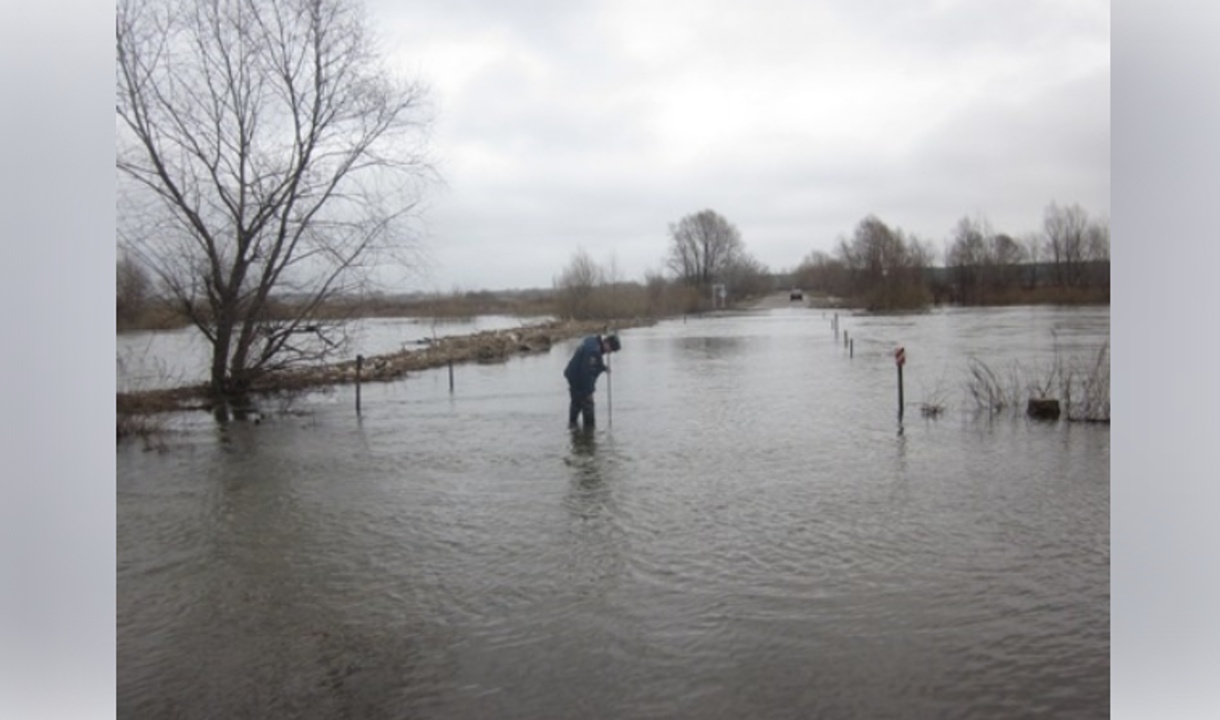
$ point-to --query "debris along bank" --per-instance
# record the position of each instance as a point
(489, 346)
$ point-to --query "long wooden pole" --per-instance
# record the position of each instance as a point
(609, 392)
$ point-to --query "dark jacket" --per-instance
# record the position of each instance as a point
(584, 367)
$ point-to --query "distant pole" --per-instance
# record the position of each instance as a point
(851, 352)
(359, 364)
(900, 359)
(450, 376)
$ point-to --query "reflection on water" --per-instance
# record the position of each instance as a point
(751, 537)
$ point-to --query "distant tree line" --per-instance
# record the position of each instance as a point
(878, 267)
(881, 268)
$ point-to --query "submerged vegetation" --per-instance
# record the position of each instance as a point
(1080, 386)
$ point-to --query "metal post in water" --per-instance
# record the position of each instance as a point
(359, 364)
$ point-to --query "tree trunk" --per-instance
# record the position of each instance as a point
(220, 357)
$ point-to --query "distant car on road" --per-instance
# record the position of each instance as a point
(795, 295)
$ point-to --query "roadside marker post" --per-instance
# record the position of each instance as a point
(900, 359)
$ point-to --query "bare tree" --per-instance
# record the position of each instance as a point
(702, 247)
(882, 267)
(1097, 241)
(1007, 255)
(984, 264)
(872, 253)
(820, 272)
(273, 163)
(1066, 229)
(1033, 246)
(577, 284)
(969, 258)
(1097, 253)
(747, 276)
(920, 256)
(132, 288)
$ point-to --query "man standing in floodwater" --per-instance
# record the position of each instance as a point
(582, 371)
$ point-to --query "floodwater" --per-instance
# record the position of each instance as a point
(747, 533)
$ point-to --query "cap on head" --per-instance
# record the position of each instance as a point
(612, 342)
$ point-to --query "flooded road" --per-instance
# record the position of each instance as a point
(747, 535)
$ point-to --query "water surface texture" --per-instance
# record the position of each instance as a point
(747, 535)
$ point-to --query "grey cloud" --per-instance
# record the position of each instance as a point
(574, 160)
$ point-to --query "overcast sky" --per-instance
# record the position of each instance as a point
(595, 124)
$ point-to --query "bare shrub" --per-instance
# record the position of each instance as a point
(988, 389)
(1083, 386)
(934, 400)
(586, 290)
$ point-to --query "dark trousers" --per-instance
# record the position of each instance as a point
(581, 405)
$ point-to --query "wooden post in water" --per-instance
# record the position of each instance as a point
(900, 359)
(900, 403)
(359, 364)
(851, 352)
(450, 376)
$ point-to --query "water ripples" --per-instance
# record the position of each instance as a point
(749, 537)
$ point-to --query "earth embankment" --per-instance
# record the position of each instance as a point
(489, 346)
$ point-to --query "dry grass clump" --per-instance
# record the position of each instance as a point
(935, 400)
